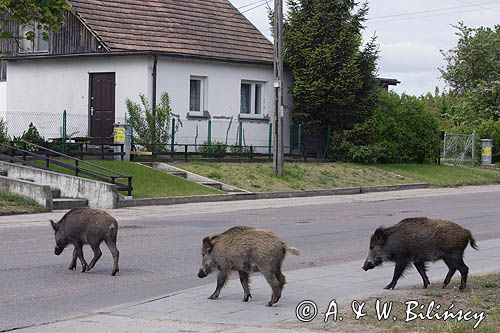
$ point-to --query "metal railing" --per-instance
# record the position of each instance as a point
(18, 155)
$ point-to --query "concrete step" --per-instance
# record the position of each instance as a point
(65, 203)
(56, 193)
(178, 173)
(215, 185)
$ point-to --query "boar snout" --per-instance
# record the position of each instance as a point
(202, 274)
(58, 250)
(368, 265)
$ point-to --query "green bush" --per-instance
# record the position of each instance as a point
(149, 131)
(236, 149)
(31, 135)
(217, 147)
(401, 130)
(4, 138)
(491, 130)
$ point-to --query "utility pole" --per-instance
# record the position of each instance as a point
(278, 87)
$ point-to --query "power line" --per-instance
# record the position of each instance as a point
(250, 4)
(427, 11)
(425, 16)
(477, 5)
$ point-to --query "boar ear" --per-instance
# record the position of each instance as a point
(207, 243)
(379, 236)
(54, 225)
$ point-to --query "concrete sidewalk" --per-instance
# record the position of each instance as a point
(191, 311)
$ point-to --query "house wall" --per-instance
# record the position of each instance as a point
(3, 98)
(39, 90)
(222, 101)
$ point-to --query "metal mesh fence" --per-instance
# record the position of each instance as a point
(194, 133)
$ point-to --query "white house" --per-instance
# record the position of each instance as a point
(211, 60)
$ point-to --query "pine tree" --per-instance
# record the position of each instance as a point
(334, 76)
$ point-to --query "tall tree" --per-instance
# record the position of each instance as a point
(334, 76)
(44, 15)
(475, 60)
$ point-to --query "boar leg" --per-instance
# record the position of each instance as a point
(221, 281)
(275, 286)
(97, 255)
(451, 271)
(246, 287)
(79, 252)
(398, 271)
(281, 279)
(72, 265)
(115, 253)
(420, 266)
(464, 271)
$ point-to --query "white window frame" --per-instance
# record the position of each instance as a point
(253, 112)
(34, 44)
(203, 95)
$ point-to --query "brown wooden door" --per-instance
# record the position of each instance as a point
(102, 107)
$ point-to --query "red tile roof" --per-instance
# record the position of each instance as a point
(199, 28)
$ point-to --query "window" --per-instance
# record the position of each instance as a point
(197, 95)
(251, 98)
(246, 98)
(32, 46)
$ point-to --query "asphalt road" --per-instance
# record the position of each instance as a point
(161, 255)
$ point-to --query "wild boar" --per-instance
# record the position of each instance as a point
(245, 250)
(82, 226)
(421, 240)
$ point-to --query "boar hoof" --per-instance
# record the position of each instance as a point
(114, 272)
(71, 267)
(389, 287)
(270, 303)
(213, 297)
(84, 268)
(246, 298)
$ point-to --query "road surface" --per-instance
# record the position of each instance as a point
(160, 253)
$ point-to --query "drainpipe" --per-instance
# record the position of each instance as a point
(155, 70)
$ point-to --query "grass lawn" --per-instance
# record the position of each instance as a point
(150, 183)
(482, 295)
(444, 175)
(11, 204)
(259, 177)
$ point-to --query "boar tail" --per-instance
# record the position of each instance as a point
(473, 243)
(293, 250)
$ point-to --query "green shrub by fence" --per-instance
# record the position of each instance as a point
(401, 130)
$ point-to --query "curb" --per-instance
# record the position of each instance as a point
(267, 195)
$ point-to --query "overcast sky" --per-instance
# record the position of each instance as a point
(410, 33)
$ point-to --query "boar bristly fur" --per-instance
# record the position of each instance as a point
(418, 241)
(245, 250)
(81, 226)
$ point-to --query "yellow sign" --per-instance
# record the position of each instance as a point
(119, 135)
(487, 151)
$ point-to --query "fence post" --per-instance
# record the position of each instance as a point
(328, 141)
(131, 121)
(240, 138)
(63, 144)
(473, 148)
(172, 139)
(270, 138)
(209, 139)
(299, 144)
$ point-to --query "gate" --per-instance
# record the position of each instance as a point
(459, 149)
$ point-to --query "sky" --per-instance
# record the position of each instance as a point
(411, 34)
